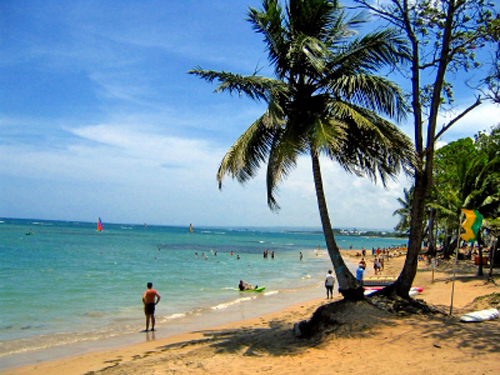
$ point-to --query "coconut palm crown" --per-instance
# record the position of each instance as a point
(323, 100)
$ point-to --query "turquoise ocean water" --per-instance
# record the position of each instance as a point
(66, 288)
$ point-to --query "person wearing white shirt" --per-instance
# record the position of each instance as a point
(329, 283)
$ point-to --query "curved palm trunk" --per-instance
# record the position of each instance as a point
(404, 282)
(348, 285)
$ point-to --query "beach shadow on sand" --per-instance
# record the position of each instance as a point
(278, 337)
(482, 336)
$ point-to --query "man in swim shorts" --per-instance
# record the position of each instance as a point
(150, 299)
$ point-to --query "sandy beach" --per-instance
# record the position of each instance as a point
(375, 344)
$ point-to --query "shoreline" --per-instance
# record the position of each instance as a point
(244, 307)
(149, 353)
(241, 308)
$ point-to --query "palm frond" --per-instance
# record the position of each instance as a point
(329, 134)
(372, 92)
(312, 52)
(323, 98)
(251, 149)
(282, 160)
(314, 18)
(268, 22)
(371, 52)
(255, 87)
(373, 146)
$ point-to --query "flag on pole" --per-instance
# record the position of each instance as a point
(472, 223)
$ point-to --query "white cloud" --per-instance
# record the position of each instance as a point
(134, 174)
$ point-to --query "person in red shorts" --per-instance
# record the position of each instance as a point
(150, 299)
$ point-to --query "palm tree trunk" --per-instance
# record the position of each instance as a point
(403, 284)
(348, 285)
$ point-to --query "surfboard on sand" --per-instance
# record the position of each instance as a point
(411, 293)
(480, 316)
(413, 288)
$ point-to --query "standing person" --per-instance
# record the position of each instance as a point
(376, 266)
(301, 255)
(362, 263)
(329, 283)
(359, 274)
(150, 299)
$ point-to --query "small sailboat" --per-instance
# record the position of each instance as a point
(99, 225)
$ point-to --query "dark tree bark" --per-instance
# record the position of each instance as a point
(348, 285)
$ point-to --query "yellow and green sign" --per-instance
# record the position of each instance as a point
(472, 223)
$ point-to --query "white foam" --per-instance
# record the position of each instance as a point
(223, 306)
(175, 316)
(272, 293)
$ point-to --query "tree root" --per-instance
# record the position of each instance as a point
(348, 318)
(402, 306)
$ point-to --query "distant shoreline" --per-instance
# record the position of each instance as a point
(364, 232)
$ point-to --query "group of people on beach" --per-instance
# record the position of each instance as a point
(330, 280)
(378, 261)
(151, 297)
(378, 265)
(265, 254)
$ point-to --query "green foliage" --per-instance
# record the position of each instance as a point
(443, 32)
(467, 175)
(445, 37)
(404, 212)
(324, 98)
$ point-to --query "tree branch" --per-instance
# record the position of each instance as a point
(381, 12)
(456, 119)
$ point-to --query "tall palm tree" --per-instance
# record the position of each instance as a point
(323, 100)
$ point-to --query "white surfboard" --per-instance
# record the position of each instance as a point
(413, 291)
(480, 316)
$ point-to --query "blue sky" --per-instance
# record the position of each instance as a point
(98, 117)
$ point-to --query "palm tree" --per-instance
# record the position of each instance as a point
(323, 101)
(404, 211)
